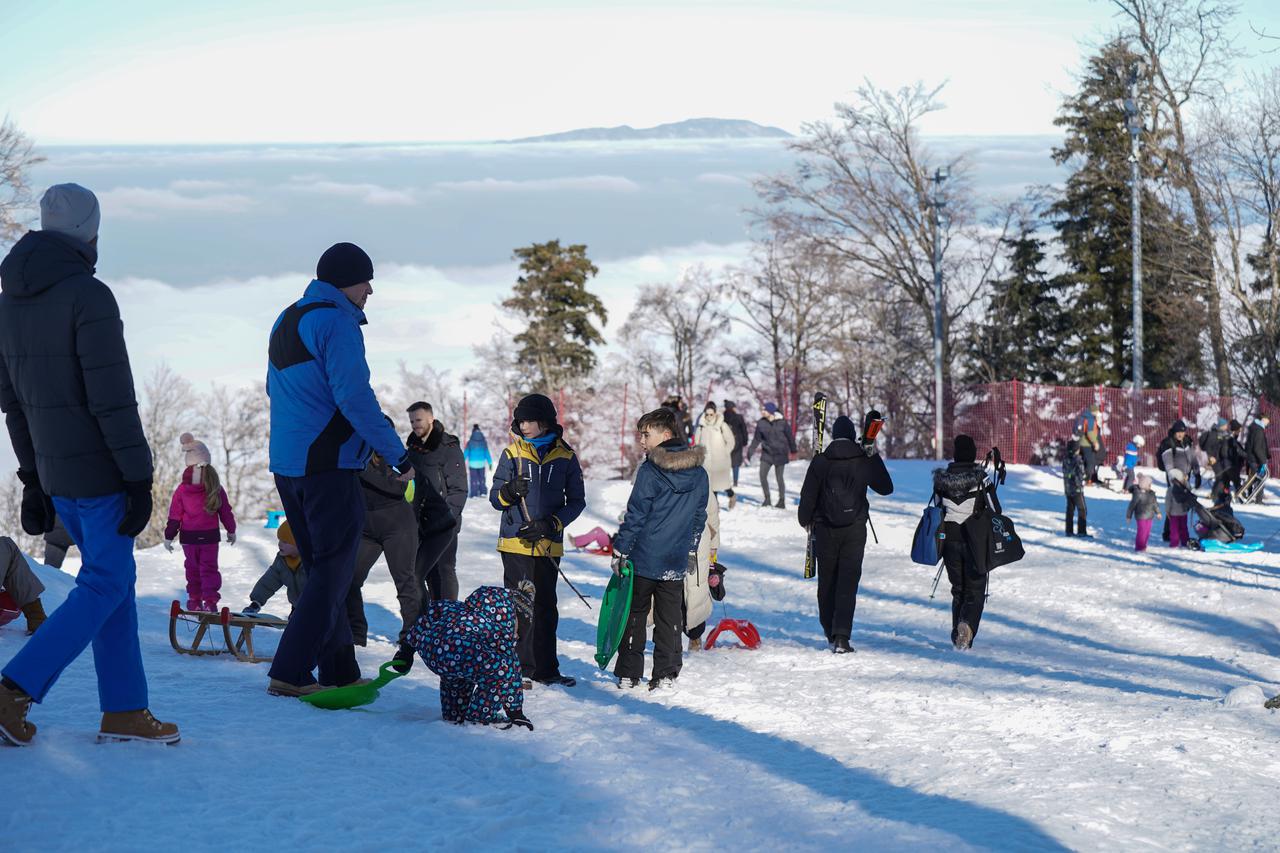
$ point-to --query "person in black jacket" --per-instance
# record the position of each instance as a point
(1233, 457)
(776, 444)
(961, 490)
(67, 393)
(437, 458)
(738, 425)
(1075, 474)
(390, 530)
(1256, 452)
(833, 501)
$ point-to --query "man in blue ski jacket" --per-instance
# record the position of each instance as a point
(325, 422)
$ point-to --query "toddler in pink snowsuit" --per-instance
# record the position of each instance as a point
(197, 507)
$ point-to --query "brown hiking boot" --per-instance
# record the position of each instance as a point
(695, 644)
(284, 688)
(733, 501)
(14, 728)
(136, 725)
(35, 616)
(964, 636)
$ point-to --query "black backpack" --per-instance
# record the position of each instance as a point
(840, 500)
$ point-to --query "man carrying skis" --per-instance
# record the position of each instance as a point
(1256, 453)
(833, 501)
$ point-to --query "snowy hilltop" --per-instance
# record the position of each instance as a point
(693, 128)
(1095, 711)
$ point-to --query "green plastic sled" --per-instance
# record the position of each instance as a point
(353, 695)
(614, 610)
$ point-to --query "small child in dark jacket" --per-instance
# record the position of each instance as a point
(285, 571)
(1074, 475)
(665, 518)
(1144, 507)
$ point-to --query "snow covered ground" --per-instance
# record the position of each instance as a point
(1090, 714)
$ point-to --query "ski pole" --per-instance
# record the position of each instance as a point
(873, 528)
(937, 578)
(524, 512)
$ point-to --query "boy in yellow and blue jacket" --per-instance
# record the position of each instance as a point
(538, 487)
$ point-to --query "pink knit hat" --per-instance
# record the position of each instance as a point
(195, 452)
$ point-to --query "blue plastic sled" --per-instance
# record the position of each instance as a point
(1214, 546)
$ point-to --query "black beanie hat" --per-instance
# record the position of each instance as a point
(535, 407)
(728, 404)
(344, 265)
(1178, 426)
(843, 428)
(965, 450)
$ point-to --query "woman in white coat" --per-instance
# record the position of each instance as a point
(717, 438)
(697, 587)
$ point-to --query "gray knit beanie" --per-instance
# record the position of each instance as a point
(70, 209)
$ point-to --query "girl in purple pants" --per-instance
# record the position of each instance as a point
(198, 505)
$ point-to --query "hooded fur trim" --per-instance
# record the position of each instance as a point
(678, 460)
(957, 481)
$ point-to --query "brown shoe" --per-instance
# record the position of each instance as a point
(118, 726)
(695, 644)
(964, 636)
(35, 616)
(14, 728)
(284, 688)
(733, 501)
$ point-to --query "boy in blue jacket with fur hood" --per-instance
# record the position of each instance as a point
(538, 487)
(665, 517)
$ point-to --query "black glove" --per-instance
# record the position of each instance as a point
(1198, 478)
(37, 508)
(403, 660)
(513, 490)
(517, 718)
(403, 465)
(539, 528)
(137, 508)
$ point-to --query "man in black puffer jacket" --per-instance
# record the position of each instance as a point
(437, 458)
(833, 500)
(67, 392)
(775, 442)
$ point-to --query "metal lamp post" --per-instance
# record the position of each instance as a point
(1133, 121)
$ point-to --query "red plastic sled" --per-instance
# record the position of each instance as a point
(741, 628)
(9, 609)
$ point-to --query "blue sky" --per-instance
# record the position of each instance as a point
(323, 71)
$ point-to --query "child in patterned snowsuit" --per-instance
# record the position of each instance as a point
(471, 645)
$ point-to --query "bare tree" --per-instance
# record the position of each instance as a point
(168, 409)
(1240, 157)
(17, 156)
(236, 425)
(861, 188)
(678, 325)
(1187, 48)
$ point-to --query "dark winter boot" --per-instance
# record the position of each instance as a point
(628, 683)
(840, 646)
(559, 680)
(14, 728)
(35, 615)
(136, 725)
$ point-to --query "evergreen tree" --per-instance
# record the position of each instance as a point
(551, 295)
(1020, 336)
(1092, 220)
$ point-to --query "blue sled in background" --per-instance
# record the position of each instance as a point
(1214, 546)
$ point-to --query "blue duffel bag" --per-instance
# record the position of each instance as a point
(925, 544)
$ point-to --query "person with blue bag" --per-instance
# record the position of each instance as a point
(963, 490)
(833, 501)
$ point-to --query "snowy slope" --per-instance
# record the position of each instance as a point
(1089, 715)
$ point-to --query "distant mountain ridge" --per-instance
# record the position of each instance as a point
(694, 128)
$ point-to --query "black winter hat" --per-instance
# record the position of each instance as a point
(843, 428)
(1178, 426)
(535, 407)
(965, 449)
(344, 265)
(728, 404)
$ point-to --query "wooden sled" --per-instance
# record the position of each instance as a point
(211, 626)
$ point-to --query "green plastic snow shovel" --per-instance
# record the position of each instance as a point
(353, 695)
(615, 608)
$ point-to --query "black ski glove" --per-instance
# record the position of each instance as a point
(37, 513)
(518, 719)
(403, 660)
(513, 490)
(137, 508)
(539, 528)
(1198, 481)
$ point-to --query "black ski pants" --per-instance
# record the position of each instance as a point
(764, 481)
(838, 552)
(968, 585)
(1076, 507)
(666, 599)
(442, 578)
(433, 543)
(394, 534)
(537, 642)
